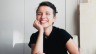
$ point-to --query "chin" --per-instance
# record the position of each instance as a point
(45, 26)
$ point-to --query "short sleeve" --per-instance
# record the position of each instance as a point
(65, 35)
(33, 39)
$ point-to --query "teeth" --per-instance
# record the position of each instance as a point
(43, 21)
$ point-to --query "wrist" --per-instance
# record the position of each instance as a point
(41, 30)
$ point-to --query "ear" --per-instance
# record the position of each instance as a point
(54, 19)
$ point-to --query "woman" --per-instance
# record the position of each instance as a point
(50, 39)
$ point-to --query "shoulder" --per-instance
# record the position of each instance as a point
(34, 35)
(60, 30)
(62, 34)
(33, 38)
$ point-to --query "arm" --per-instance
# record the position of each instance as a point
(32, 48)
(71, 46)
(39, 43)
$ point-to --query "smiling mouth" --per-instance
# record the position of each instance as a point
(43, 22)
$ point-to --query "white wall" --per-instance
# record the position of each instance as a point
(17, 17)
(72, 16)
(11, 26)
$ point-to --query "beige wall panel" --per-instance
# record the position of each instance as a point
(90, 0)
(88, 28)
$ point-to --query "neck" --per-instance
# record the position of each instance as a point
(48, 30)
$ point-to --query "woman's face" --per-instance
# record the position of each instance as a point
(45, 16)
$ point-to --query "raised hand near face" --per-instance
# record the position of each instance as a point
(37, 25)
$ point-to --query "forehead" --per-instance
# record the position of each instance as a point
(45, 9)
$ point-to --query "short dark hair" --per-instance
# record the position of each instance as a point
(47, 3)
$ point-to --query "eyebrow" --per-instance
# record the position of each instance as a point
(46, 11)
(38, 12)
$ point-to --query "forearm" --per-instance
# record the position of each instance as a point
(39, 43)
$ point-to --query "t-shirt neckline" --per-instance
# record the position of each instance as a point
(50, 33)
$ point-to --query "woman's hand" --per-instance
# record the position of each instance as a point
(37, 25)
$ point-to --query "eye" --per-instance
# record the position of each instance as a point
(38, 13)
(47, 13)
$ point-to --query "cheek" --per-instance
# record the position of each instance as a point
(51, 19)
(38, 17)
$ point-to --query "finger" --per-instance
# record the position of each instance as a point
(33, 25)
(38, 22)
(35, 21)
(38, 53)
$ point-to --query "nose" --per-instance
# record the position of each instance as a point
(43, 16)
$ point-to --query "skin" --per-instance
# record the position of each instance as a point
(43, 24)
